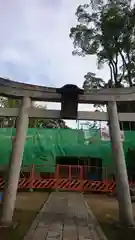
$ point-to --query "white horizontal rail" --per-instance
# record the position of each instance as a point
(55, 114)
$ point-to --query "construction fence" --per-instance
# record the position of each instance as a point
(67, 177)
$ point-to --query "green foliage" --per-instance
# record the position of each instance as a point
(107, 29)
(92, 82)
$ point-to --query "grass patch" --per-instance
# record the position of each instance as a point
(105, 210)
(28, 205)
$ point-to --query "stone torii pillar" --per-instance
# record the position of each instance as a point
(122, 186)
(15, 163)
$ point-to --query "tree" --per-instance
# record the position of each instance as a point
(92, 82)
(55, 123)
(11, 103)
(108, 32)
(104, 33)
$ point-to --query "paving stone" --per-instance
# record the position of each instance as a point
(84, 231)
(54, 234)
(81, 237)
(65, 217)
(40, 234)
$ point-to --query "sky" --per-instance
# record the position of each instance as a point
(35, 46)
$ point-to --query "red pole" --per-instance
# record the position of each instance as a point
(32, 176)
(106, 178)
(57, 176)
(81, 176)
(106, 175)
(70, 175)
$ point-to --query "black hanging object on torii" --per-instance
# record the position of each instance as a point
(69, 100)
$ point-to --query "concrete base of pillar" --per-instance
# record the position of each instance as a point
(9, 225)
(118, 224)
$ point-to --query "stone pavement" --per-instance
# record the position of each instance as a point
(64, 217)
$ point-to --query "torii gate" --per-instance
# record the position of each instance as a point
(69, 96)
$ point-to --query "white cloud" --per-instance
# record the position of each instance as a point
(35, 46)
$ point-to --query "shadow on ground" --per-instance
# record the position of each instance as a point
(27, 207)
(105, 210)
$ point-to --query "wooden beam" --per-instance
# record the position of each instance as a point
(18, 90)
(55, 114)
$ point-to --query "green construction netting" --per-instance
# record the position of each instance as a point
(44, 145)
